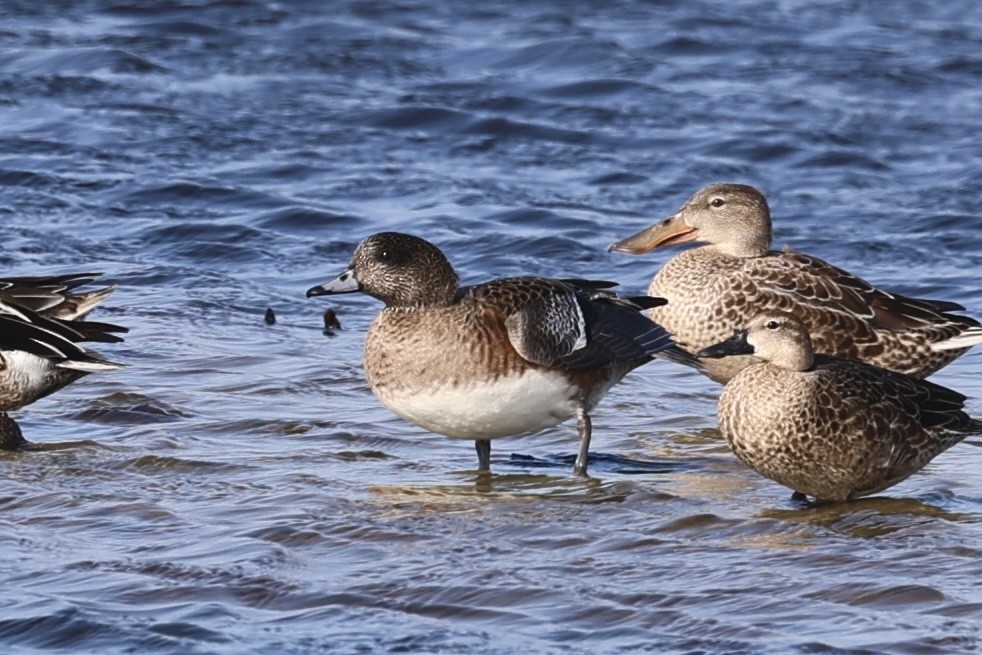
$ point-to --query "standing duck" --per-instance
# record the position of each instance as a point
(717, 288)
(506, 357)
(825, 426)
(41, 328)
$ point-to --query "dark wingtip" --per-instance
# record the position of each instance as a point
(588, 285)
(96, 331)
(647, 302)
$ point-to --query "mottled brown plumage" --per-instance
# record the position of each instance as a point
(506, 357)
(54, 296)
(830, 427)
(715, 289)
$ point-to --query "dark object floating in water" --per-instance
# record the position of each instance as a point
(270, 316)
(331, 322)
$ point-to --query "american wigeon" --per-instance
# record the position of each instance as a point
(506, 357)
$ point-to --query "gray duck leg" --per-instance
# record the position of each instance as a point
(585, 427)
(483, 447)
(10, 435)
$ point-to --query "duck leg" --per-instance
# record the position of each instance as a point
(10, 435)
(585, 427)
(483, 447)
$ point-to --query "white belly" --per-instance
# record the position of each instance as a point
(23, 378)
(513, 405)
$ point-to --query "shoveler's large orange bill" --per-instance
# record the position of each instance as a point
(668, 232)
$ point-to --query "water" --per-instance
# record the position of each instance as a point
(237, 489)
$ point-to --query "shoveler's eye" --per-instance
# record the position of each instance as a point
(772, 325)
(717, 202)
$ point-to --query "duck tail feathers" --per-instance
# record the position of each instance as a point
(970, 337)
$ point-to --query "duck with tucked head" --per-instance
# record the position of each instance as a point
(718, 287)
(825, 426)
(506, 357)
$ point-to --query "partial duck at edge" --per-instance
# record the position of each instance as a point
(42, 329)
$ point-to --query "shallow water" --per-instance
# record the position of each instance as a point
(237, 489)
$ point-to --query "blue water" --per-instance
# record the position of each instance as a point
(237, 489)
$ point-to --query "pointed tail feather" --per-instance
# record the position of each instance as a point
(78, 305)
(91, 364)
(96, 331)
(53, 282)
(24, 330)
(52, 295)
(970, 337)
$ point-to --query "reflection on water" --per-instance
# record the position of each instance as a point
(237, 488)
(871, 517)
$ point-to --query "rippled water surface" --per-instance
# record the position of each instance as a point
(237, 489)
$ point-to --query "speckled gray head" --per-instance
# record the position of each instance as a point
(401, 270)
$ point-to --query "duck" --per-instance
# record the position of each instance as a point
(716, 288)
(827, 427)
(43, 328)
(506, 357)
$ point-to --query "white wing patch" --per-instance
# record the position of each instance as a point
(581, 340)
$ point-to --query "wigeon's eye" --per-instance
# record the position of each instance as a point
(385, 255)
(772, 325)
(717, 202)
